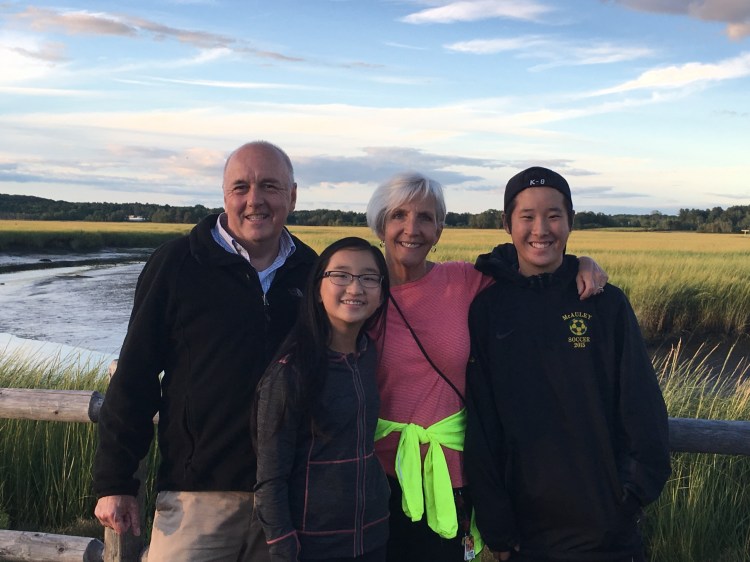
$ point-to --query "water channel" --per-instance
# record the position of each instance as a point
(83, 307)
(59, 310)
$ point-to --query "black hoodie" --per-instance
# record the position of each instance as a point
(201, 318)
(567, 433)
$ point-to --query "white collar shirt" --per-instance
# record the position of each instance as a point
(226, 241)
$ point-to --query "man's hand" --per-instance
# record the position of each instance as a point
(119, 513)
(591, 278)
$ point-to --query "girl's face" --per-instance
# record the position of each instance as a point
(349, 302)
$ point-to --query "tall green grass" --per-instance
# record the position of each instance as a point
(46, 466)
(703, 515)
(677, 282)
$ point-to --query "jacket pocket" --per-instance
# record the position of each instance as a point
(330, 498)
(190, 439)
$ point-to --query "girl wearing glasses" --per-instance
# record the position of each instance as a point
(321, 493)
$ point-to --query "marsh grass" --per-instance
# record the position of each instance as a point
(703, 514)
(677, 282)
(73, 236)
(46, 466)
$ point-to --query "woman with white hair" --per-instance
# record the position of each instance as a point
(422, 372)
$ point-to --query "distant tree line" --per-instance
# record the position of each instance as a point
(24, 207)
(732, 219)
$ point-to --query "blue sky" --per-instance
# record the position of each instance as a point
(642, 104)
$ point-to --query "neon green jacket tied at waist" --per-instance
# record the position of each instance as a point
(434, 479)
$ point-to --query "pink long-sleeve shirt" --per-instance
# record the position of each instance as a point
(437, 307)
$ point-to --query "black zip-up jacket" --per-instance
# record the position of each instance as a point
(322, 494)
(567, 434)
(200, 317)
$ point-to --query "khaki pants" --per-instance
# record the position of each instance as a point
(206, 527)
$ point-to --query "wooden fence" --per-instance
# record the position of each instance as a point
(685, 435)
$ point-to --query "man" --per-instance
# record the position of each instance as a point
(210, 310)
(567, 435)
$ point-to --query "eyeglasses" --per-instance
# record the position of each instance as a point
(342, 279)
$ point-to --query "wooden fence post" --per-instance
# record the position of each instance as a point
(127, 547)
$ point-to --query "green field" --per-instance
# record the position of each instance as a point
(677, 282)
(71, 236)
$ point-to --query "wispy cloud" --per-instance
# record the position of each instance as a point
(176, 173)
(736, 13)
(737, 31)
(83, 22)
(235, 85)
(475, 10)
(404, 46)
(402, 80)
(377, 163)
(605, 192)
(46, 92)
(556, 53)
(23, 58)
(732, 196)
(47, 52)
(685, 75)
(730, 113)
(494, 46)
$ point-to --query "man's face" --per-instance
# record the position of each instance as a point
(258, 196)
(539, 230)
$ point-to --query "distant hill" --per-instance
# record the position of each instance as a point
(26, 207)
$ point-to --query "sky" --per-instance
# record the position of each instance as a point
(643, 105)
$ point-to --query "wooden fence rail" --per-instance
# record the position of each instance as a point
(50, 405)
(43, 547)
(686, 435)
(69, 406)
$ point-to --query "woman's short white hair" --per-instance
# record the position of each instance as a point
(400, 189)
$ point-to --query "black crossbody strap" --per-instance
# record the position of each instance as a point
(422, 349)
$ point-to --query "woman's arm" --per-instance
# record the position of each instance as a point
(591, 278)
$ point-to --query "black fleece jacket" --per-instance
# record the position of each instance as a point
(322, 494)
(201, 318)
(567, 433)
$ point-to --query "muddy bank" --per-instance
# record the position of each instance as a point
(15, 262)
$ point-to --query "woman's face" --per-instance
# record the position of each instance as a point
(410, 232)
(348, 302)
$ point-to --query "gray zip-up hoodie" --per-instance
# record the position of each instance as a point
(323, 493)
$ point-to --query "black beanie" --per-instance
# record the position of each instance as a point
(535, 177)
